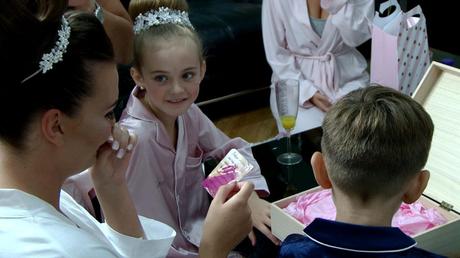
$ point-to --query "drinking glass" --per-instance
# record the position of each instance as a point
(287, 102)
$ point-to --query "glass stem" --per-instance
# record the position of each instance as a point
(288, 141)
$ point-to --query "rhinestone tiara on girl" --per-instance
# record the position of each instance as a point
(163, 15)
(56, 53)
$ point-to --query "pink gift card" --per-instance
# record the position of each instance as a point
(212, 184)
(233, 167)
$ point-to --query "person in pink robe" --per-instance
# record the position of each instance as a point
(314, 41)
(165, 180)
(174, 136)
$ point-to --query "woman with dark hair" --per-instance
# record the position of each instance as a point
(59, 88)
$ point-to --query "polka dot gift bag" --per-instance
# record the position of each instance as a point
(400, 55)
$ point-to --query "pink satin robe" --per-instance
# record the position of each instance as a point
(329, 64)
(165, 182)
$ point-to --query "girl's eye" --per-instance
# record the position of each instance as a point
(160, 78)
(188, 76)
(110, 115)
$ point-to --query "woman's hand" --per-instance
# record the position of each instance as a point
(113, 159)
(321, 102)
(260, 214)
(110, 183)
(228, 221)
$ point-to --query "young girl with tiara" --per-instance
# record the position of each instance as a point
(165, 173)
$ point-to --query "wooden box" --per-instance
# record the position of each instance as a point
(439, 93)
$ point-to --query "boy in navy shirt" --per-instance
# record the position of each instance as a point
(374, 147)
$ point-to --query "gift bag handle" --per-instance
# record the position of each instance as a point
(416, 11)
(383, 21)
(385, 5)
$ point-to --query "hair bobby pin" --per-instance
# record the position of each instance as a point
(163, 15)
(55, 55)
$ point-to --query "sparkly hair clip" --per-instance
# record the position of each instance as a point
(163, 15)
(55, 55)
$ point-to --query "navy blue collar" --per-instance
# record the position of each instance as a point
(358, 238)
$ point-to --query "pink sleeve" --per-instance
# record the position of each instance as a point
(333, 6)
(306, 92)
(215, 144)
(353, 19)
(278, 56)
(80, 187)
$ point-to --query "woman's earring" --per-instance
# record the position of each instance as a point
(142, 88)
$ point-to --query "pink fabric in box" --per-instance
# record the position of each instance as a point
(410, 218)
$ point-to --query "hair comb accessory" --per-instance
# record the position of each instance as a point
(56, 53)
(163, 15)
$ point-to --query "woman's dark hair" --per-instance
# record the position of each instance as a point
(28, 29)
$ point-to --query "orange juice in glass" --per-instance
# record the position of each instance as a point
(287, 99)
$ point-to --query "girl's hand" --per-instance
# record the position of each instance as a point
(113, 159)
(321, 101)
(260, 214)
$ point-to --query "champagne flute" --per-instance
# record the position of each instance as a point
(287, 102)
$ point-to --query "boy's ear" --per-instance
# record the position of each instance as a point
(202, 70)
(416, 187)
(51, 126)
(137, 77)
(319, 170)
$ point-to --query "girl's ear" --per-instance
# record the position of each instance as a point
(137, 77)
(202, 70)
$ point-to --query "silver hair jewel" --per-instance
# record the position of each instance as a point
(55, 55)
(163, 15)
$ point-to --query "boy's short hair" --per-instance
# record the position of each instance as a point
(374, 140)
